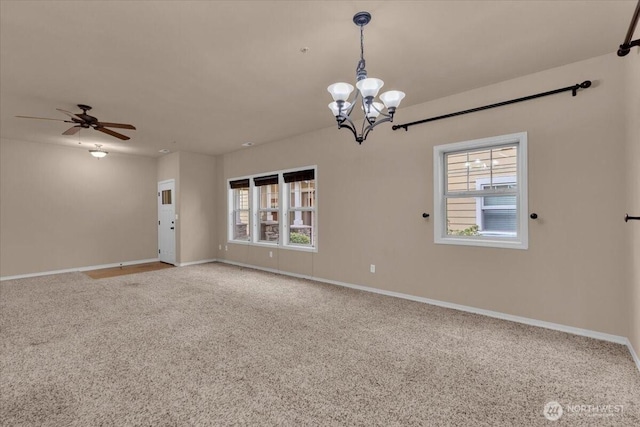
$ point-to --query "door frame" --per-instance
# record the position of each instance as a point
(174, 203)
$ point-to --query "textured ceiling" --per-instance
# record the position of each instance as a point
(208, 76)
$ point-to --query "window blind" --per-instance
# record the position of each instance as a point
(265, 180)
(239, 183)
(305, 175)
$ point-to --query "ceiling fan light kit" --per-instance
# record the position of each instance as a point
(367, 90)
(98, 153)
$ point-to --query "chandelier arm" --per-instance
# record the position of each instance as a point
(366, 118)
(367, 131)
(353, 102)
(349, 126)
(385, 120)
(364, 129)
(347, 118)
(371, 126)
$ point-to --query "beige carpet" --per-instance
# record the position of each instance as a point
(220, 345)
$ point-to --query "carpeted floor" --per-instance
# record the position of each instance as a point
(220, 345)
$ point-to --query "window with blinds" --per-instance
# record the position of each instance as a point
(240, 209)
(268, 194)
(301, 211)
(480, 192)
(278, 208)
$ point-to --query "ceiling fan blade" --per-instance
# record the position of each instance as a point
(116, 125)
(43, 118)
(70, 114)
(112, 133)
(72, 130)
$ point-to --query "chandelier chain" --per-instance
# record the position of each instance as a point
(361, 64)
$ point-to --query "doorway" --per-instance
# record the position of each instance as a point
(167, 221)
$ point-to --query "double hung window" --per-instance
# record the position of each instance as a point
(240, 225)
(480, 192)
(268, 195)
(301, 192)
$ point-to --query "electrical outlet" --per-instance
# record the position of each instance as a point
(226, 248)
(219, 247)
(270, 254)
(372, 268)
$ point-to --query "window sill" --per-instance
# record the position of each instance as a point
(483, 242)
(274, 244)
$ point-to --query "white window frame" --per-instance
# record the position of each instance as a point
(231, 218)
(258, 211)
(521, 240)
(291, 211)
(283, 212)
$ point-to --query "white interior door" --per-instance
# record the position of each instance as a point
(167, 221)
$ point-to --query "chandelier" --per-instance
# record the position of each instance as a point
(368, 89)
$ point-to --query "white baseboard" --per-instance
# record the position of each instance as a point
(634, 355)
(73, 270)
(202, 261)
(489, 313)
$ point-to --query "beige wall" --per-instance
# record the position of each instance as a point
(63, 209)
(632, 62)
(196, 179)
(371, 197)
(197, 208)
(60, 208)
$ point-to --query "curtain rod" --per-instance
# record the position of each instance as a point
(625, 47)
(573, 89)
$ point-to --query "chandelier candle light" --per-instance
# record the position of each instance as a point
(368, 89)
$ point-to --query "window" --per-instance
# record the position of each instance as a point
(166, 197)
(239, 193)
(301, 191)
(268, 208)
(480, 192)
(278, 208)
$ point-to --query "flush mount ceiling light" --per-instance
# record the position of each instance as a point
(98, 152)
(367, 90)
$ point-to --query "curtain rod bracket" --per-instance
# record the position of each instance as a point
(627, 44)
(626, 47)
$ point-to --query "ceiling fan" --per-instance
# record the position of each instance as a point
(85, 121)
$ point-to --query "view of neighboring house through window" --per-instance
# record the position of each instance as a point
(278, 208)
(497, 215)
(240, 218)
(480, 192)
